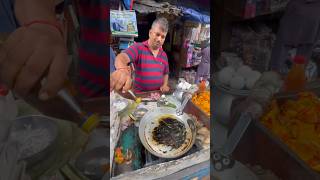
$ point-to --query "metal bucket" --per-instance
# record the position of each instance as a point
(223, 99)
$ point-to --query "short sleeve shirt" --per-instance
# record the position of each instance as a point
(149, 70)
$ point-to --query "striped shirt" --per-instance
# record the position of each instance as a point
(149, 70)
(93, 49)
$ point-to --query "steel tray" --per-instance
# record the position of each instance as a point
(259, 146)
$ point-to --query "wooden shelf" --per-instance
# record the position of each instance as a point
(263, 16)
(193, 66)
(231, 13)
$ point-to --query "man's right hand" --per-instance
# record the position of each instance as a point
(120, 80)
(28, 54)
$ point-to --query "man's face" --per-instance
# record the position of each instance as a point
(157, 36)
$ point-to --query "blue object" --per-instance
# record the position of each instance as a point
(7, 18)
(112, 60)
(132, 149)
(193, 15)
(199, 175)
(127, 4)
(124, 45)
(116, 26)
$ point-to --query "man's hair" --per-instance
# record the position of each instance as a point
(163, 22)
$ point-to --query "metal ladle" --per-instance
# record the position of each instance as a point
(132, 94)
(185, 98)
(238, 131)
(68, 98)
(137, 99)
(65, 95)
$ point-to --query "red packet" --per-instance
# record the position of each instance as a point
(3, 90)
(250, 9)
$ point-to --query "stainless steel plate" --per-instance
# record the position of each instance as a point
(151, 120)
(124, 102)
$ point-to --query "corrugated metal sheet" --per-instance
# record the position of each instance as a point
(150, 6)
(198, 5)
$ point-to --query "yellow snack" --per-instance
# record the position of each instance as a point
(202, 100)
(297, 124)
(119, 157)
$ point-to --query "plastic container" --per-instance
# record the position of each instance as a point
(202, 85)
(296, 80)
(8, 107)
(8, 111)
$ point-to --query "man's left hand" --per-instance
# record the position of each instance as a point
(164, 88)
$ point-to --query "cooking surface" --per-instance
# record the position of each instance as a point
(149, 160)
(151, 120)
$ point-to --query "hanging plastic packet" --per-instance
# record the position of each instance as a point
(311, 71)
(8, 111)
(9, 150)
(8, 107)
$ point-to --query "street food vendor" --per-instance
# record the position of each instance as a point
(149, 60)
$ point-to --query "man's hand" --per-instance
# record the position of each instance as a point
(120, 80)
(164, 88)
(29, 54)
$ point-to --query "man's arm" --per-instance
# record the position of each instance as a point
(165, 80)
(122, 61)
(165, 87)
(120, 79)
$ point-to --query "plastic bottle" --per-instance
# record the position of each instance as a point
(296, 79)
(89, 121)
(202, 85)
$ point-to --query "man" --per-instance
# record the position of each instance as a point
(204, 66)
(298, 32)
(36, 48)
(150, 63)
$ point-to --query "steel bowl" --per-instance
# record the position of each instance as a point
(224, 96)
(35, 122)
(138, 114)
(151, 120)
(94, 163)
(126, 102)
